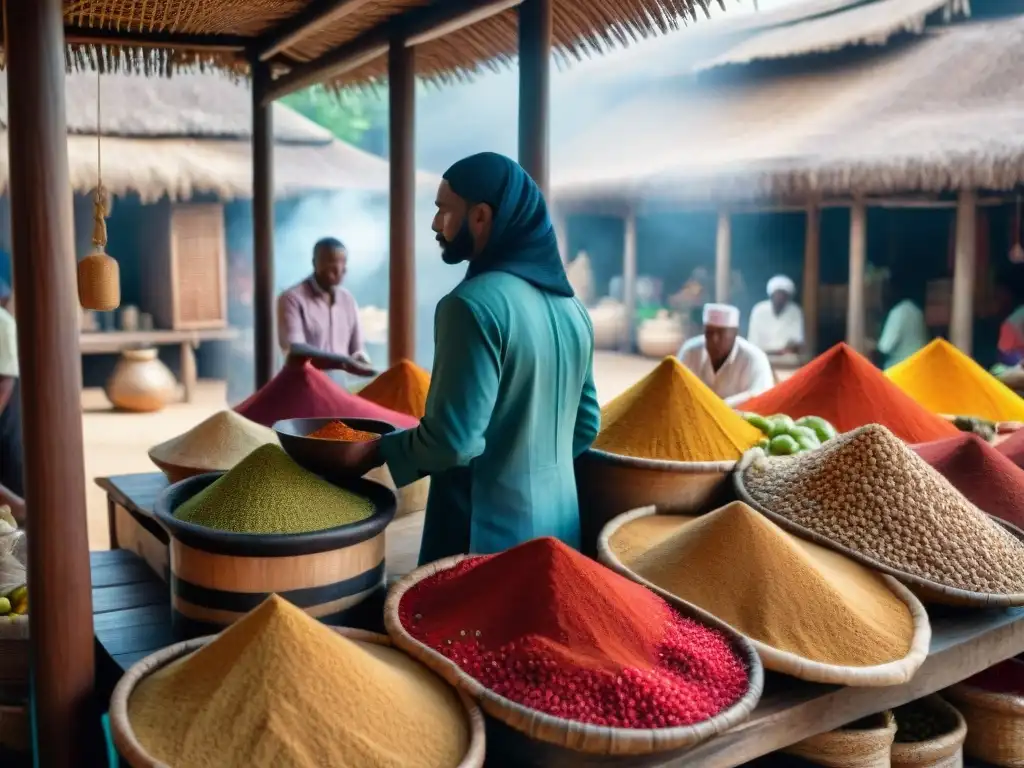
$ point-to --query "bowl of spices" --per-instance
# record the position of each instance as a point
(669, 441)
(929, 733)
(810, 612)
(328, 446)
(278, 688)
(589, 662)
(869, 496)
(269, 526)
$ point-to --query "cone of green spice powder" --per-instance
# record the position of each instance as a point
(267, 492)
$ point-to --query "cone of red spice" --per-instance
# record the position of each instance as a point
(985, 476)
(844, 388)
(551, 630)
(304, 392)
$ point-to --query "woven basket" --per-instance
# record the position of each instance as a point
(944, 751)
(412, 498)
(134, 753)
(99, 282)
(850, 747)
(574, 736)
(995, 724)
(609, 485)
(929, 591)
(892, 673)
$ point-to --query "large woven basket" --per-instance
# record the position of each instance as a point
(929, 591)
(893, 673)
(995, 724)
(867, 747)
(944, 751)
(574, 736)
(135, 754)
(609, 484)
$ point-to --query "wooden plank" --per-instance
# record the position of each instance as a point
(145, 638)
(137, 492)
(158, 613)
(135, 536)
(117, 574)
(100, 557)
(110, 342)
(119, 598)
(125, 660)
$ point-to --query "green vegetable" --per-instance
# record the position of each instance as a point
(764, 444)
(5, 606)
(784, 445)
(780, 425)
(805, 434)
(758, 421)
(822, 429)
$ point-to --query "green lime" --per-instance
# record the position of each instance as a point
(805, 433)
(5, 606)
(758, 421)
(784, 445)
(780, 425)
(822, 429)
(808, 443)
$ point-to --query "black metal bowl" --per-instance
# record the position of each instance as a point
(328, 458)
(272, 544)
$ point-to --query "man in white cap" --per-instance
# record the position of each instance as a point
(729, 364)
(777, 323)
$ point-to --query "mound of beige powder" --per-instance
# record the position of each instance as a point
(216, 444)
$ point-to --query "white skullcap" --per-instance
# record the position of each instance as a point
(721, 315)
(781, 283)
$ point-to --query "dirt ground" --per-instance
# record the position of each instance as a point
(116, 443)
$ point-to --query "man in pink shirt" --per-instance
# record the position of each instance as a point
(318, 312)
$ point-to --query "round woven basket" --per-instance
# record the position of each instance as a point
(135, 754)
(881, 675)
(867, 747)
(929, 591)
(995, 724)
(609, 484)
(574, 736)
(944, 751)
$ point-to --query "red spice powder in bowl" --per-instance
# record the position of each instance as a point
(549, 629)
(304, 392)
(988, 479)
(844, 388)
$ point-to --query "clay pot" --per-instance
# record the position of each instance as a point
(660, 336)
(140, 382)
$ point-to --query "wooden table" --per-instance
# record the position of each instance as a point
(130, 500)
(115, 342)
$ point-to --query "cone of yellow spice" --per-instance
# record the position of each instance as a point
(671, 415)
(280, 690)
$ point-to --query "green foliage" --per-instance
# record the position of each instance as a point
(348, 114)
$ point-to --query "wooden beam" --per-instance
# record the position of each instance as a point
(961, 321)
(535, 89)
(723, 257)
(418, 24)
(855, 308)
(314, 18)
(629, 281)
(402, 159)
(61, 627)
(812, 278)
(263, 224)
(141, 39)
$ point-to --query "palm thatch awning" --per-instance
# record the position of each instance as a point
(191, 134)
(941, 112)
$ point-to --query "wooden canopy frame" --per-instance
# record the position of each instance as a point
(44, 279)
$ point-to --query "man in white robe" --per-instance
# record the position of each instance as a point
(777, 323)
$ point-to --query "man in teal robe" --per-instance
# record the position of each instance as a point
(512, 400)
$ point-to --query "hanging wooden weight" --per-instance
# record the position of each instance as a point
(99, 282)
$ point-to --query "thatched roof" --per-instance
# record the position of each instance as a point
(941, 112)
(581, 27)
(871, 24)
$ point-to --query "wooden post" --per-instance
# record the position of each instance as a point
(961, 321)
(263, 225)
(51, 380)
(534, 88)
(629, 280)
(855, 314)
(402, 157)
(812, 277)
(723, 254)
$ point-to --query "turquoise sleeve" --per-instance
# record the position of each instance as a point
(463, 390)
(588, 417)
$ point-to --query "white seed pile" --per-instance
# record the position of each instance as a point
(867, 491)
(218, 443)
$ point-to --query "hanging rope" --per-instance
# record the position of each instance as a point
(101, 202)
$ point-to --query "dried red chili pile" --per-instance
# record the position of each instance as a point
(548, 628)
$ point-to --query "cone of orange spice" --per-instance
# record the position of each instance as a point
(339, 430)
(403, 387)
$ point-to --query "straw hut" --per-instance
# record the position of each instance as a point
(880, 110)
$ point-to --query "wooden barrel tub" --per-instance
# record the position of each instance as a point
(217, 577)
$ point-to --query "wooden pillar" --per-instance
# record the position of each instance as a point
(961, 321)
(723, 257)
(51, 381)
(629, 280)
(534, 88)
(263, 225)
(812, 278)
(855, 309)
(402, 157)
